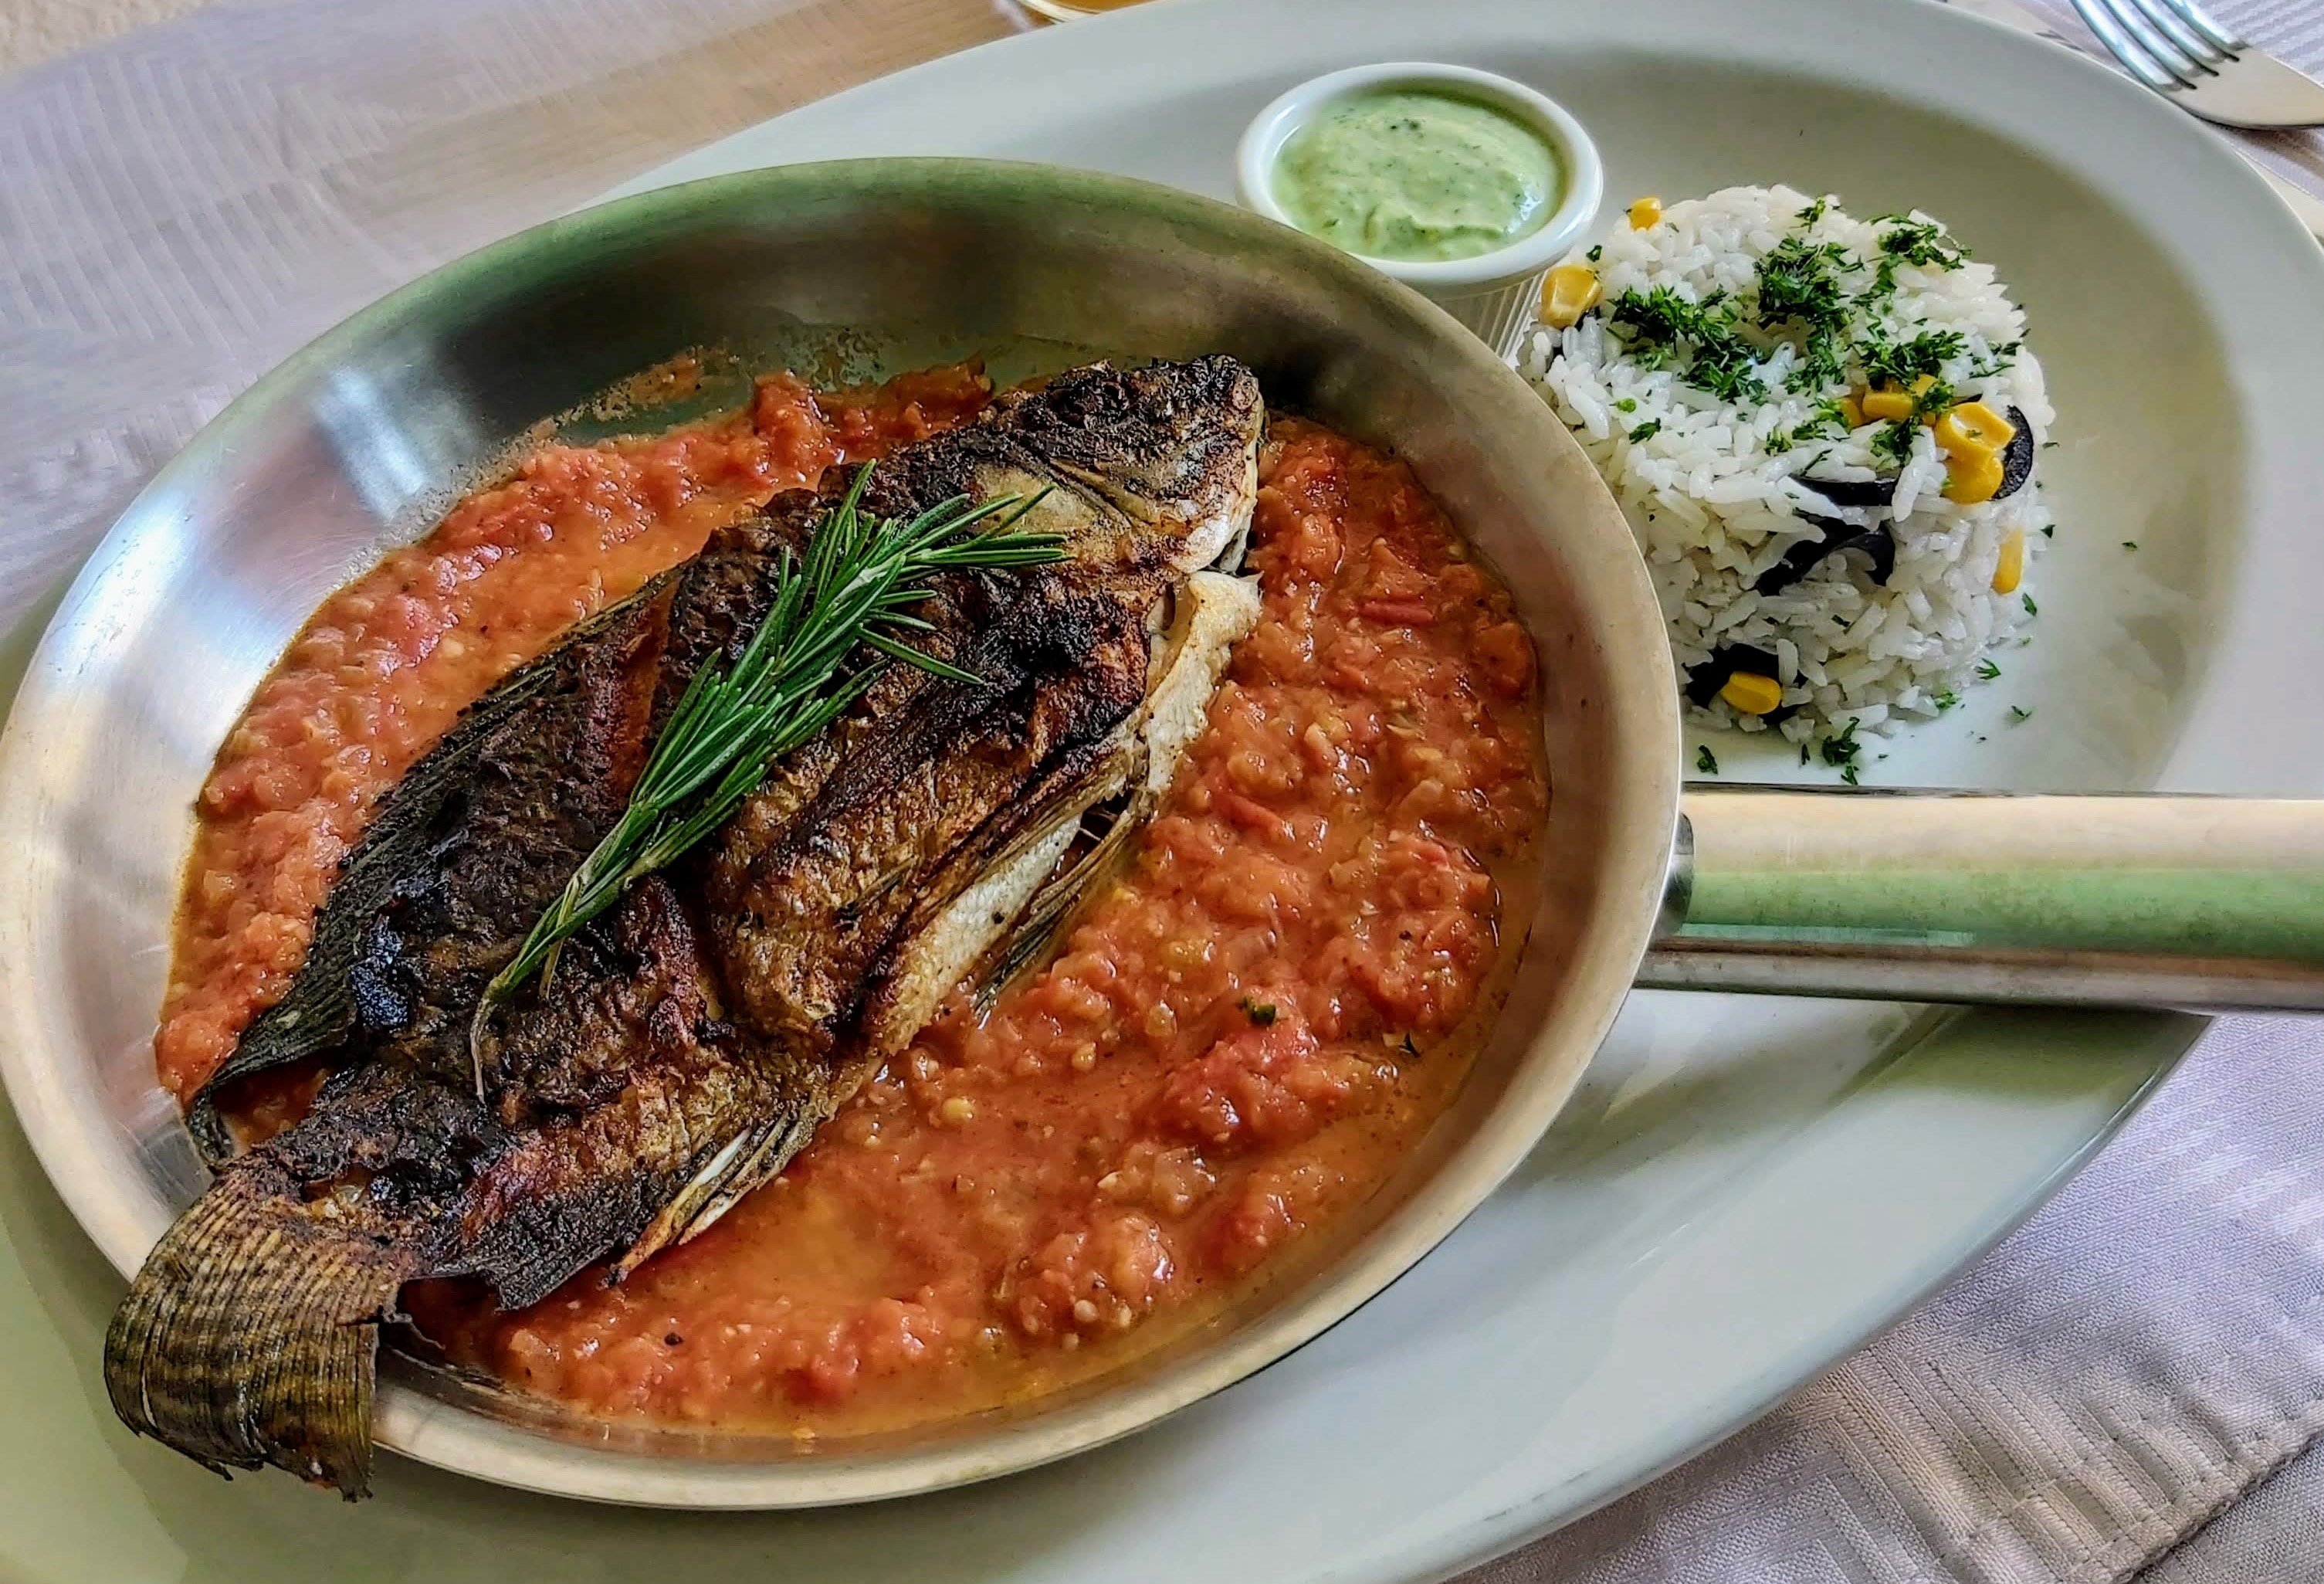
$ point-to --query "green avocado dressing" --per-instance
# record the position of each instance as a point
(1417, 176)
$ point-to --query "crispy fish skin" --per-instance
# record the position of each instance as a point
(694, 1037)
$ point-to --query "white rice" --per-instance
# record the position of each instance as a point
(1714, 506)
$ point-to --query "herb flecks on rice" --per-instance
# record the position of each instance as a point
(1760, 380)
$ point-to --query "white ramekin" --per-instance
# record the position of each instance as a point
(1494, 293)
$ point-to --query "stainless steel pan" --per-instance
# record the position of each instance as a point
(844, 268)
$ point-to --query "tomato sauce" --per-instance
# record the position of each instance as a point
(1239, 1040)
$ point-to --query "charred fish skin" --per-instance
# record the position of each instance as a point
(694, 1037)
(359, 978)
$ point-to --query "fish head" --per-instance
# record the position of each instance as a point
(1153, 468)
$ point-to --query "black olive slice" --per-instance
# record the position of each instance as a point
(1853, 492)
(1703, 683)
(1876, 542)
(2017, 461)
(1800, 560)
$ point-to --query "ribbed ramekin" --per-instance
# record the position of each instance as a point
(1493, 293)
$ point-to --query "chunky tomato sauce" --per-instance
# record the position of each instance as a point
(1240, 1039)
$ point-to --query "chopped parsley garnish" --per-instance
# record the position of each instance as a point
(1900, 363)
(1803, 753)
(1917, 242)
(1594, 254)
(1645, 432)
(1895, 441)
(1728, 370)
(1705, 762)
(1261, 1013)
(1946, 700)
(2130, 545)
(1660, 322)
(1823, 361)
(1662, 325)
(2049, 531)
(1812, 213)
(2019, 712)
(1800, 280)
(1994, 361)
(1913, 242)
(1627, 404)
(1826, 422)
(2031, 609)
(1842, 749)
(1986, 670)
(1800, 285)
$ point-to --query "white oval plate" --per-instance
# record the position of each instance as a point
(1743, 1190)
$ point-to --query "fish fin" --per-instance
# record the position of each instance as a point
(922, 969)
(736, 1167)
(250, 1335)
(1036, 929)
(1214, 613)
(925, 966)
(755, 1172)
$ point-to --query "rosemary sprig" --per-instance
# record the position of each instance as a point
(855, 586)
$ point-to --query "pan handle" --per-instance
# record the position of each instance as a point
(2137, 900)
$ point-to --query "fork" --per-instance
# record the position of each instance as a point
(2175, 48)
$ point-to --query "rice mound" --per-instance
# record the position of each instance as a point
(1707, 454)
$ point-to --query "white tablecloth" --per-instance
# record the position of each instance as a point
(183, 207)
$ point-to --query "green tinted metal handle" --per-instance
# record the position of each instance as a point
(2140, 899)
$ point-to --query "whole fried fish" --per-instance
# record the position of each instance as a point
(692, 1038)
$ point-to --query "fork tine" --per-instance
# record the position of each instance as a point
(2168, 22)
(2173, 60)
(2125, 48)
(2201, 19)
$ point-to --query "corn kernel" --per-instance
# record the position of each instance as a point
(1970, 480)
(1974, 430)
(2009, 571)
(1750, 694)
(1887, 406)
(1921, 389)
(1646, 213)
(1570, 292)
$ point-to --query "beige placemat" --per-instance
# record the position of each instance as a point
(33, 30)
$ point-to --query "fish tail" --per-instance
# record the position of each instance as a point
(250, 1335)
